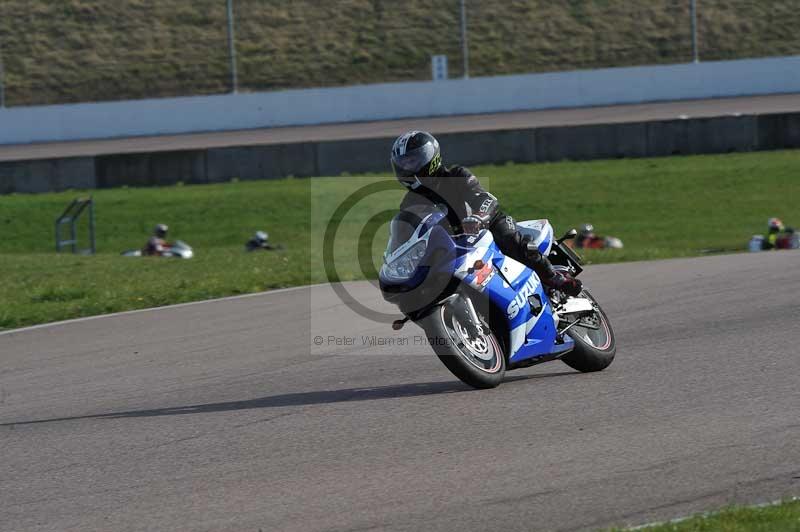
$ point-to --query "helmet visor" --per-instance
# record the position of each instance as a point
(413, 162)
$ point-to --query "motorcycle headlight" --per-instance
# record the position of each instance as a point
(403, 267)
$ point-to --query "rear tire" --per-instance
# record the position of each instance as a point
(593, 351)
(479, 363)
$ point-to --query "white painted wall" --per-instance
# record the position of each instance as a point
(20, 125)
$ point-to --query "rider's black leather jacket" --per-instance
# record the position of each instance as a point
(457, 187)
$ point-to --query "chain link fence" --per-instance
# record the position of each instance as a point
(94, 50)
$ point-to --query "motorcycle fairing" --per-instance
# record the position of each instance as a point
(531, 334)
(540, 232)
(435, 236)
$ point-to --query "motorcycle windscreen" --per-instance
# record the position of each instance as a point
(407, 222)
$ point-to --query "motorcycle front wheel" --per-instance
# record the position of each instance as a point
(476, 359)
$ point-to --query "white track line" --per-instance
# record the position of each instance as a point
(153, 309)
(710, 514)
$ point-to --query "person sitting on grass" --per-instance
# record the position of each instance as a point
(259, 242)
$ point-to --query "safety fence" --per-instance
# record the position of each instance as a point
(94, 50)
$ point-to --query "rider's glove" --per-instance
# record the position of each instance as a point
(565, 283)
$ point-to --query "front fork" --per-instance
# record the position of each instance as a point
(466, 309)
(463, 308)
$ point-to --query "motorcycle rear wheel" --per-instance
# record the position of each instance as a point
(477, 361)
(594, 348)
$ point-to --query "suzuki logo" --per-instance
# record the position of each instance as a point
(522, 296)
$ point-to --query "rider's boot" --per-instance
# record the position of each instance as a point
(520, 248)
(549, 276)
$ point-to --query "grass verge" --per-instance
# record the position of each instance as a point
(783, 517)
(660, 208)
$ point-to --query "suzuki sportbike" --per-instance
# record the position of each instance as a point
(484, 313)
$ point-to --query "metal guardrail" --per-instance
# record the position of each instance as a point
(70, 217)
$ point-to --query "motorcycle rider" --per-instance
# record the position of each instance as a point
(585, 236)
(774, 228)
(259, 241)
(417, 163)
(157, 243)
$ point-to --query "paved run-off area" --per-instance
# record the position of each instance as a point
(224, 415)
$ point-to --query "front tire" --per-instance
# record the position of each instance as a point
(476, 361)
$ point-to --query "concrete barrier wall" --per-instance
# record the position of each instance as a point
(603, 141)
(48, 175)
(19, 125)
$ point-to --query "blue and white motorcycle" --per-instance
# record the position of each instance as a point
(484, 313)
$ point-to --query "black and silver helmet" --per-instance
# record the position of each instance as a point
(415, 155)
(161, 230)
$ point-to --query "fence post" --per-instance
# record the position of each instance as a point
(2, 83)
(464, 42)
(92, 234)
(695, 51)
(232, 49)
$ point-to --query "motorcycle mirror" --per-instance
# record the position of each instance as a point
(572, 233)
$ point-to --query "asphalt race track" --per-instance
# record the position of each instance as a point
(780, 103)
(225, 416)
